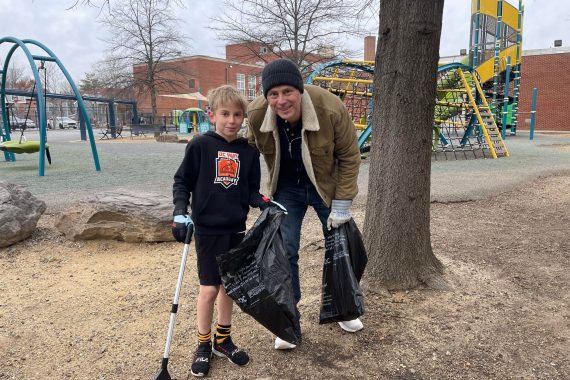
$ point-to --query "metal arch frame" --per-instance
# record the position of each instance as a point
(40, 101)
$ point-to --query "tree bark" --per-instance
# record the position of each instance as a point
(397, 222)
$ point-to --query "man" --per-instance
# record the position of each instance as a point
(309, 144)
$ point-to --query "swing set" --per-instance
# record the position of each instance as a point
(23, 145)
(11, 147)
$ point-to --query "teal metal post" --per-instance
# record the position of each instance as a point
(506, 99)
(517, 71)
(477, 32)
(112, 119)
(498, 32)
(533, 113)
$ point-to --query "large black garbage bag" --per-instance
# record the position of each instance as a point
(342, 298)
(358, 257)
(257, 276)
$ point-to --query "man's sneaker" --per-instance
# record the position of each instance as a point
(351, 326)
(280, 344)
(201, 362)
(228, 349)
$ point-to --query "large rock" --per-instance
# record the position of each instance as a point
(123, 215)
(19, 213)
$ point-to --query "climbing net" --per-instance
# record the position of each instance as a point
(351, 81)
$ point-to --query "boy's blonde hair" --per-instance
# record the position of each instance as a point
(226, 94)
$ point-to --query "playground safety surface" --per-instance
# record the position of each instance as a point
(99, 309)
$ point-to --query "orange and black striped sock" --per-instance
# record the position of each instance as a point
(205, 338)
(222, 333)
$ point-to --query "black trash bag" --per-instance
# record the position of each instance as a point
(342, 298)
(257, 276)
(358, 257)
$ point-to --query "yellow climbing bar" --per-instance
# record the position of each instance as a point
(491, 121)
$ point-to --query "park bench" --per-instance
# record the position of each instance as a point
(108, 133)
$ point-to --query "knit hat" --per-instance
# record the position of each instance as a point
(280, 72)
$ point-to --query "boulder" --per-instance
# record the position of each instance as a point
(119, 215)
(19, 213)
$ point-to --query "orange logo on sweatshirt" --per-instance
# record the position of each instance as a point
(227, 169)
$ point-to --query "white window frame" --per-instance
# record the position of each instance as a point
(240, 83)
(251, 85)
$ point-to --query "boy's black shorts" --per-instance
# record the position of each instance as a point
(207, 247)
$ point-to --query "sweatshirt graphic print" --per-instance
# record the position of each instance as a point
(227, 169)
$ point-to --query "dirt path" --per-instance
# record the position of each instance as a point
(99, 309)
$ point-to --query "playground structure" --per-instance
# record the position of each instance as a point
(352, 82)
(473, 105)
(495, 52)
(192, 120)
(9, 147)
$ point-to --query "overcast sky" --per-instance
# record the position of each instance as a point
(75, 35)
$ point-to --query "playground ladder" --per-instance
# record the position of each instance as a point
(485, 118)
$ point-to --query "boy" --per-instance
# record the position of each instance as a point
(221, 174)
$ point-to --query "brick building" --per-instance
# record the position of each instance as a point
(547, 70)
(199, 73)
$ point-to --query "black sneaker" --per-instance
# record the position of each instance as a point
(201, 362)
(228, 349)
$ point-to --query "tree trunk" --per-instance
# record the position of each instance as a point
(397, 223)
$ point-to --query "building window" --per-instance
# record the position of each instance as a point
(263, 50)
(191, 83)
(251, 85)
(240, 79)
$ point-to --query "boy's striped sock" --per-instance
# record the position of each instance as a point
(205, 338)
(222, 333)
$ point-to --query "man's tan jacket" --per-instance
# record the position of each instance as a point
(329, 147)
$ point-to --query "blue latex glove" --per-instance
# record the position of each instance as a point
(180, 227)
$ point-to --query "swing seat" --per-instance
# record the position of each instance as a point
(24, 147)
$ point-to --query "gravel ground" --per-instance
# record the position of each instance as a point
(99, 309)
(143, 163)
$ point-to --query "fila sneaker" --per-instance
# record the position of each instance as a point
(228, 349)
(201, 363)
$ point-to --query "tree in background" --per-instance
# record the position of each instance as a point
(397, 221)
(145, 35)
(301, 30)
(17, 78)
(108, 81)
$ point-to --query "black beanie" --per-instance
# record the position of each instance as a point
(279, 72)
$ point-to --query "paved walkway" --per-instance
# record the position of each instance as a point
(143, 164)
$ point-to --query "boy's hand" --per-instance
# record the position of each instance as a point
(269, 203)
(180, 227)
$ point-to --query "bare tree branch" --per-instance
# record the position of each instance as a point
(144, 37)
(296, 29)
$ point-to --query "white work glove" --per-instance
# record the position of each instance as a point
(340, 213)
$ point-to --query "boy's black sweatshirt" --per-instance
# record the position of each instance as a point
(222, 180)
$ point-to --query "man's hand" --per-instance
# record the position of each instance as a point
(340, 213)
(180, 227)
